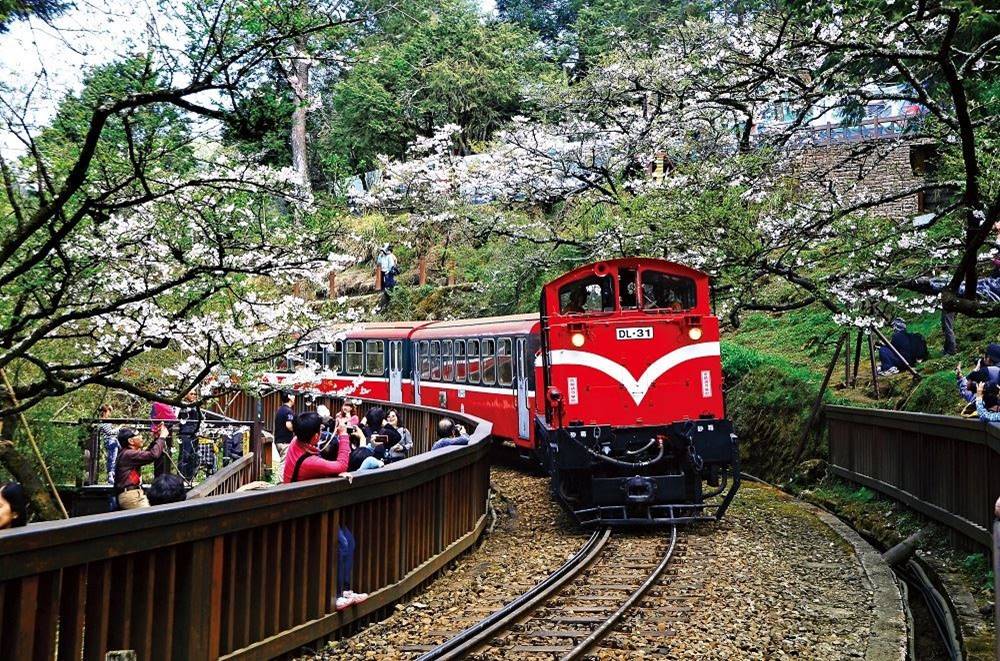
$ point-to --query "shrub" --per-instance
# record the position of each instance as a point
(935, 394)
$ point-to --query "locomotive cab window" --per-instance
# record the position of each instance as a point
(628, 292)
(591, 294)
(662, 291)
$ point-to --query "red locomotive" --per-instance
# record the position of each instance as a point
(624, 355)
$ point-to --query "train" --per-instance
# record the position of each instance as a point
(614, 387)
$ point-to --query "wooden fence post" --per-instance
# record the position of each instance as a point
(422, 270)
(199, 601)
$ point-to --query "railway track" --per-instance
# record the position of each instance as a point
(574, 608)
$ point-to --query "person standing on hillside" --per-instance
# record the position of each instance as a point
(386, 261)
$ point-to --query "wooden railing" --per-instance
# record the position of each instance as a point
(93, 466)
(830, 133)
(947, 468)
(250, 575)
(239, 473)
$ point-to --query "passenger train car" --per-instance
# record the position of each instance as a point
(614, 386)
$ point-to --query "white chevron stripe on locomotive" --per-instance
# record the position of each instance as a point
(636, 388)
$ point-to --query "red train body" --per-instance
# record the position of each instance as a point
(615, 386)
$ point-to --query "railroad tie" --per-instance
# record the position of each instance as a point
(581, 619)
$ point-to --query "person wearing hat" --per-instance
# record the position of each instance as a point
(387, 264)
(128, 469)
(910, 346)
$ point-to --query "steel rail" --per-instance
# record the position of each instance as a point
(613, 619)
(485, 630)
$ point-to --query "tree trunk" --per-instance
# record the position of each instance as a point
(299, 80)
(26, 472)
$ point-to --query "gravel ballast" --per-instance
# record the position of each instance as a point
(770, 581)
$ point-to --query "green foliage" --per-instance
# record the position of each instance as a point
(549, 19)
(261, 121)
(978, 567)
(160, 137)
(450, 67)
(769, 401)
(19, 10)
(936, 393)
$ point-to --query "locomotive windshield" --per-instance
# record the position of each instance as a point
(662, 291)
(591, 294)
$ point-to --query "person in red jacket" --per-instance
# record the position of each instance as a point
(303, 462)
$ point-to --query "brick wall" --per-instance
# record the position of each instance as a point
(860, 171)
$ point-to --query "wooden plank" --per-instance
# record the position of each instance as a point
(71, 611)
(144, 614)
(304, 634)
(95, 641)
(120, 603)
(47, 620)
(165, 588)
(24, 618)
(971, 530)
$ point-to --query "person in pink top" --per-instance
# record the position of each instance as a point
(348, 414)
(303, 462)
(158, 412)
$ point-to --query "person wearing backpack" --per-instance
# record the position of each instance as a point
(304, 462)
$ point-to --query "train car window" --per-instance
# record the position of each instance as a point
(591, 294)
(662, 291)
(425, 360)
(473, 375)
(505, 364)
(375, 357)
(489, 364)
(435, 360)
(628, 293)
(460, 361)
(447, 366)
(335, 357)
(313, 356)
(355, 357)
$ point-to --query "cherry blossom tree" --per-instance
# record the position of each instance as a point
(137, 252)
(735, 199)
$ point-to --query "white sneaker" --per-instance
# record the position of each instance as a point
(356, 597)
(344, 602)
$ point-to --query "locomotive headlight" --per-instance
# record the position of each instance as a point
(578, 339)
(694, 333)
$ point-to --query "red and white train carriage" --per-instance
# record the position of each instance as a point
(624, 355)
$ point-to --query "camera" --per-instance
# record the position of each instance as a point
(351, 429)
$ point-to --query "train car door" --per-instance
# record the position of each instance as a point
(416, 370)
(396, 371)
(521, 360)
